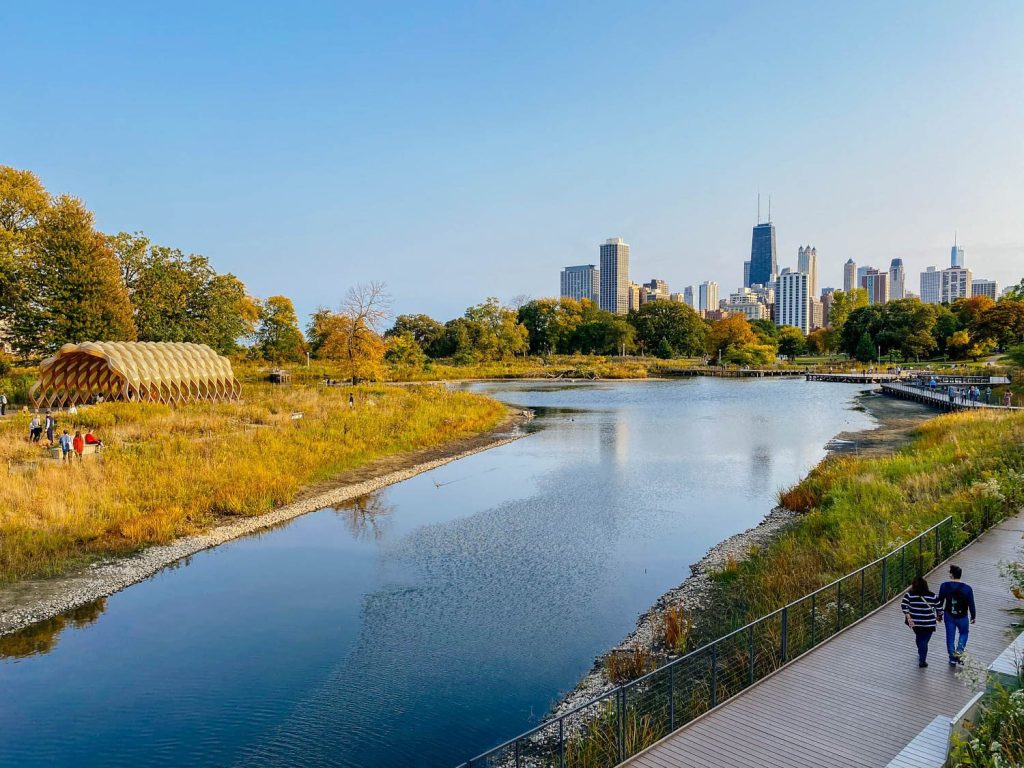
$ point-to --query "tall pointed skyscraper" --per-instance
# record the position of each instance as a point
(807, 262)
(897, 280)
(850, 280)
(763, 263)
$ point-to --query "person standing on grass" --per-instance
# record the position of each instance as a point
(66, 446)
(1007, 399)
(35, 429)
(78, 443)
(956, 600)
(3, 404)
(920, 609)
(50, 424)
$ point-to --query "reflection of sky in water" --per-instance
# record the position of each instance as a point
(438, 617)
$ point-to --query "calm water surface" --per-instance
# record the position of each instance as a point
(434, 619)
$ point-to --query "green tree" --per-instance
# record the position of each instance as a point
(76, 292)
(552, 323)
(278, 338)
(602, 333)
(23, 201)
(1014, 293)
(865, 351)
(792, 341)
(671, 321)
(843, 305)
(425, 330)
(404, 353)
(1002, 324)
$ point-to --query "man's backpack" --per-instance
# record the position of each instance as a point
(958, 607)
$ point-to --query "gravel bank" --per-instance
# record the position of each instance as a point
(28, 602)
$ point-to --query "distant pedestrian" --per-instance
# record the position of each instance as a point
(78, 443)
(956, 600)
(351, 400)
(951, 391)
(66, 446)
(3, 404)
(988, 395)
(1007, 399)
(50, 425)
(920, 609)
(35, 429)
(932, 383)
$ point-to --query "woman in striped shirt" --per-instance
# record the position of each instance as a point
(920, 610)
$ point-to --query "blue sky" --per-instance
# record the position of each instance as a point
(462, 150)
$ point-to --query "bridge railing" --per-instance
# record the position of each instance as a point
(627, 719)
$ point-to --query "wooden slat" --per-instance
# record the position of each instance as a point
(858, 699)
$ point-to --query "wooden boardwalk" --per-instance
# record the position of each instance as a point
(939, 398)
(859, 698)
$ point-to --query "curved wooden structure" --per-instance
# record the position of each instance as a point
(153, 371)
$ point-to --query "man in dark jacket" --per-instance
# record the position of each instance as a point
(956, 600)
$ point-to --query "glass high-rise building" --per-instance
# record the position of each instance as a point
(615, 276)
(582, 282)
(897, 279)
(763, 264)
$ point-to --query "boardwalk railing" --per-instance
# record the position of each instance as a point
(940, 398)
(628, 719)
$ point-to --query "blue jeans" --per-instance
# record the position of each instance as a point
(921, 637)
(963, 626)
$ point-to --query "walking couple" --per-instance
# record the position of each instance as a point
(954, 604)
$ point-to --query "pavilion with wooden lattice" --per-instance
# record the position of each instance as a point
(150, 371)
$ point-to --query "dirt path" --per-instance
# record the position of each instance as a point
(34, 600)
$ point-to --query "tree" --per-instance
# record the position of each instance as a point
(865, 351)
(819, 341)
(424, 330)
(551, 323)
(495, 331)
(351, 335)
(278, 338)
(1014, 293)
(1003, 324)
(76, 290)
(765, 330)
(676, 323)
(869, 321)
(946, 324)
(602, 333)
(792, 341)
(23, 201)
(843, 305)
(959, 344)
(182, 298)
(732, 331)
(404, 353)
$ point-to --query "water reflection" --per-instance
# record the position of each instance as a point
(366, 516)
(43, 637)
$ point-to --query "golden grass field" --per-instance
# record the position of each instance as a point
(166, 472)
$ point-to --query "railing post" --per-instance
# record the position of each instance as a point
(839, 605)
(785, 635)
(671, 700)
(622, 724)
(750, 641)
(885, 569)
(814, 616)
(920, 555)
(938, 557)
(862, 591)
(714, 675)
(903, 565)
(561, 742)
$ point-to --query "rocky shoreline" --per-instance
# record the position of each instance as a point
(31, 601)
(896, 422)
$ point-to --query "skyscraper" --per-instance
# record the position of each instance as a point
(982, 287)
(792, 301)
(688, 297)
(931, 286)
(850, 276)
(954, 283)
(897, 279)
(876, 283)
(655, 290)
(746, 273)
(708, 295)
(763, 265)
(956, 255)
(615, 276)
(807, 262)
(582, 282)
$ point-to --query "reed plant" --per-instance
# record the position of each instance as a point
(169, 472)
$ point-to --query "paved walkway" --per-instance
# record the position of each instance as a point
(859, 698)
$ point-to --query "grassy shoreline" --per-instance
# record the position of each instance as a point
(167, 473)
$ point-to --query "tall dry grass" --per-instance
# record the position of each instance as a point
(166, 472)
(854, 509)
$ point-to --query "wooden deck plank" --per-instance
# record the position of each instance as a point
(858, 699)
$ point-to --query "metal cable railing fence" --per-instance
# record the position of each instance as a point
(627, 719)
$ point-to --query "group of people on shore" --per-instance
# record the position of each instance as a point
(972, 395)
(70, 446)
(953, 606)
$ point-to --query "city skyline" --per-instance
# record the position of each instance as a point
(310, 152)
